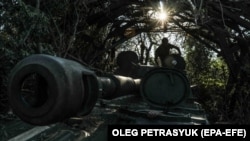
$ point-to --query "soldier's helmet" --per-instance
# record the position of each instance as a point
(164, 40)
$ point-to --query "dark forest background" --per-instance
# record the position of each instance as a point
(213, 34)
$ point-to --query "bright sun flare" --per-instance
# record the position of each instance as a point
(162, 16)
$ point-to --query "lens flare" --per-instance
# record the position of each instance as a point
(162, 16)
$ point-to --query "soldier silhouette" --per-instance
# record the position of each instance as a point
(163, 51)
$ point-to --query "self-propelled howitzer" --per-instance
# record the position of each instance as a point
(45, 89)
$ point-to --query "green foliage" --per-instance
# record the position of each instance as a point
(23, 32)
(203, 67)
(209, 73)
(48, 27)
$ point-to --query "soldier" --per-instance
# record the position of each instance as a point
(163, 51)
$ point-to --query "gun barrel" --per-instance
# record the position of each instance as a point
(116, 86)
(45, 89)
